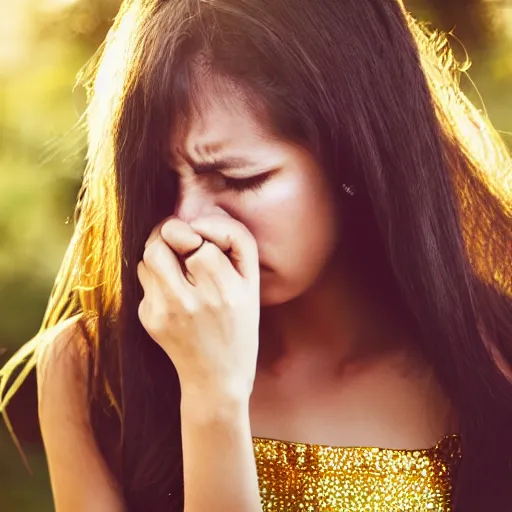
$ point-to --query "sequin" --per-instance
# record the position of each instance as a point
(313, 478)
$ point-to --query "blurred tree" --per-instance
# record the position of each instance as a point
(82, 22)
(41, 162)
(474, 22)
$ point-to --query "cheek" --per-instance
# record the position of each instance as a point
(295, 225)
(272, 215)
(315, 233)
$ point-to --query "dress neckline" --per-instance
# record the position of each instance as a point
(446, 439)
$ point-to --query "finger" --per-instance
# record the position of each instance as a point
(144, 277)
(161, 261)
(211, 269)
(148, 288)
(151, 293)
(155, 232)
(233, 239)
(180, 236)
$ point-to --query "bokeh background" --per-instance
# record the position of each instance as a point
(43, 44)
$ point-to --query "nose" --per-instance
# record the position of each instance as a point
(194, 202)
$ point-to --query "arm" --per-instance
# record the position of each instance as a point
(206, 319)
(80, 479)
(218, 455)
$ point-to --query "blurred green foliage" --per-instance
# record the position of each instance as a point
(43, 45)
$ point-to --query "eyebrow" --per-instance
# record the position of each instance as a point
(220, 164)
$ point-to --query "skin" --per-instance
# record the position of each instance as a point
(326, 374)
(296, 193)
(271, 331)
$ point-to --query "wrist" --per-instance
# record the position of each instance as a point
(214, 406)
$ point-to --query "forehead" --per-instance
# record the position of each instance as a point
(223, 119)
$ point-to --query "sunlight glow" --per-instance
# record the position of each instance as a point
(51, 5)
(15, 31)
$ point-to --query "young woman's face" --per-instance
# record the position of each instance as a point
(275, 188)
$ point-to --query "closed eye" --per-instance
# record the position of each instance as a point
(243, 184)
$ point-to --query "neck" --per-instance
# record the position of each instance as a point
(341, 319)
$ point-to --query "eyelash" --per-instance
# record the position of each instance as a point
(241, 185)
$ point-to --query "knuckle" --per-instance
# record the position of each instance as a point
(241, 230)
(216, 303)
(153, 252)
(231, 303)
(157, 322)
(149, 252)
(249, 237)
(154, 315)
(251, 243)
(174, 226)
(205, 254)
(244, 237)
(171, 222)
(147, 319)
(209, 251)
(190, 306)
(141, 312)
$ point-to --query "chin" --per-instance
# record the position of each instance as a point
(275, 293)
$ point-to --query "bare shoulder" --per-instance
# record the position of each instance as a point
(62, 344)
(80, 477)
(62, 368)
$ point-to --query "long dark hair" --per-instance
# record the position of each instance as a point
(376, 97)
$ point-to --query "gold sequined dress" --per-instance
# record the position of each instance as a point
(310, 478)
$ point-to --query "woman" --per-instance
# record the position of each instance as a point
(293, 242)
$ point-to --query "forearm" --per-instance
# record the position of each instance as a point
(218, 457)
